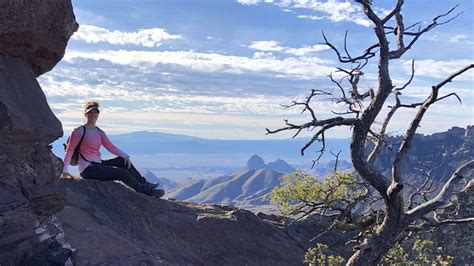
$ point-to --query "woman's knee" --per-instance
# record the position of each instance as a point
(117, 161)
(120, 160)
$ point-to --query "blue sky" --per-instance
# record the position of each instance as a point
(221, 68)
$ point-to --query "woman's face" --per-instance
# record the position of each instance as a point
(92, 116)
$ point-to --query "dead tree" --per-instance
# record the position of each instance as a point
(400, 214)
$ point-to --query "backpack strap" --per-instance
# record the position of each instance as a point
(79, 145)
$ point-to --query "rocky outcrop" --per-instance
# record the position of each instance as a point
(36, 31)
(33, 37)
(107, 223)
(25, 114)
(27, 164)
(442, 152)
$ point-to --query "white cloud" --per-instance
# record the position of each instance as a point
(458, 38)
(334, 10)
(145, 37)
(197, 115)
(300, 68)
(307, 49)
(461, 39)
(310, 17)
(248, 2)
(143, 97)
(266, 46)
(440, 69)
(261, 55)
(274, 46)
(187, 92)
(122, 100)
(446, 37)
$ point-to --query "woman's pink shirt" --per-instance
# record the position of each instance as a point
(90, 147)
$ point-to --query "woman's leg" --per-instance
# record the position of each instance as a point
(119, 162)
(107, 173)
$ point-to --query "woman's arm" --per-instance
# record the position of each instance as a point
(76, 136)
(111, 147)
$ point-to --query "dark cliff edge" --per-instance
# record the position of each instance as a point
(106, 222)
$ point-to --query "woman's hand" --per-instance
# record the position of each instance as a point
(66, 175)
(127, 162)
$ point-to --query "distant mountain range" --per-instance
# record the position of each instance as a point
(256, 162)
(249, 187)
(180, 157)
(144, 142)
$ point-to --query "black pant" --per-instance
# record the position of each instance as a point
(114, 169)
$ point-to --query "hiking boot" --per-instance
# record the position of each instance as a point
(153, 185)
(157, 193)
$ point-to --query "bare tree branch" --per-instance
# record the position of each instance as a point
(425, 187)
(380, 140)
(430, 225)
(454, 75)
(369, 53)
(396, 10)
(329, 123)
(401, 49)
(411, 77)
(336, 155)
(396, 178)
(444, 194)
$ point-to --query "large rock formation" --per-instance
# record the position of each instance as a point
(36, 31)
(443, 152)
(108, 223)
(33, 36)
(27, 165)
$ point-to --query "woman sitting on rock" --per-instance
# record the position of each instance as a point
(90, 164)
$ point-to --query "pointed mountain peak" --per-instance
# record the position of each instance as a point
(281, 166)
(279, 161)
(255, 162)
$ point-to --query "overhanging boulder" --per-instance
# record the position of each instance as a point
(36, 30)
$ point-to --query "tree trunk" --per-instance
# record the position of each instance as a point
(378, 244)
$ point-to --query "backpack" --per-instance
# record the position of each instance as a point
(75, 155)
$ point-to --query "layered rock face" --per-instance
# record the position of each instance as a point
(36, 30)
(33, 36)
(443, 152)
(108, 223)
(27, 165)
